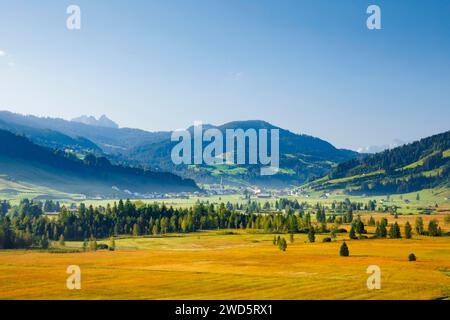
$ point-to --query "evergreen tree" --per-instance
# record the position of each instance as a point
(136, 230)
(112, 244)
(419, 226)
(360, 226)
(433, 229)
(61, 241)
(155, 229)
(282, 245)
(378, 230)
(350, 215)
(408, 230)
(383, 228)
(93, 244)
(352, 233)
(44, 242)
(344, 252)
(291, 238)
(394, 231)
(311, 234)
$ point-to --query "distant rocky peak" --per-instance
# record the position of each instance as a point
(103, 121)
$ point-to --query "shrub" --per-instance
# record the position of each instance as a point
(412, 257)
(343, 252)
(102, 246)
(327, 239)
(282, 244)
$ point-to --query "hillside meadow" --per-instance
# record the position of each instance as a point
(428, 198)
(234, 265)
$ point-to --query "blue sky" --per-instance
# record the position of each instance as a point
(309, 66)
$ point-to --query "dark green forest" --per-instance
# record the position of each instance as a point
(27, 226)
(415, 166)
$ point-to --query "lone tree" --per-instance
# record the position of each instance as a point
(312, 234)
(412, 257)
(291, 238)
(343, 252)
(282, 245)
(408, 230)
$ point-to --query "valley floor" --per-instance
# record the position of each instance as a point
(217, 265)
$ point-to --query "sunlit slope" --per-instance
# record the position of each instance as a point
(420, 165)
(21, 160)
(241, 266)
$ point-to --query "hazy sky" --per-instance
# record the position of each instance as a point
(309, 66)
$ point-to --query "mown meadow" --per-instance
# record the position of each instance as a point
(235, 264)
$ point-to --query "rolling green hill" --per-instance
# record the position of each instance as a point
(302, 157)
(110, 140)
(419, 165)
(25, 162)
(53, 139)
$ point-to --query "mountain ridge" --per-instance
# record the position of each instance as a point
(102, 121)
(302, 157)
(23, 160)
(421, 164)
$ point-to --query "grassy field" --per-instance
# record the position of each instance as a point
(241, 265)
(428, 199)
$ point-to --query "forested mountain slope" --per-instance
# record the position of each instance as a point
(22, 160)
(418, 165)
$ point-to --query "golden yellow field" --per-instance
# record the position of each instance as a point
(215, 265)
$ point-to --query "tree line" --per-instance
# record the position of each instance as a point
(25, 225)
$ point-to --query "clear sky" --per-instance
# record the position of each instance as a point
(309, 66)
